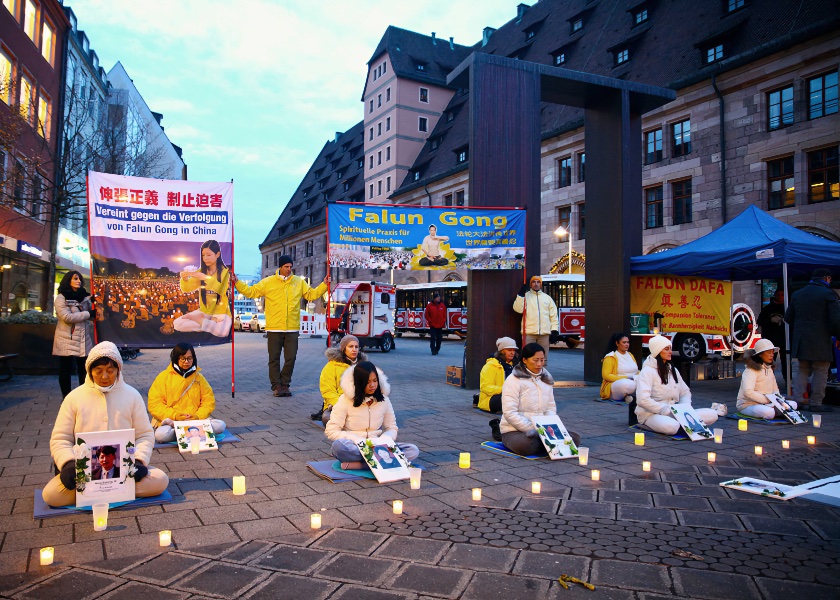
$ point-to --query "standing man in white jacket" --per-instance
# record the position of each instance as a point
(539, 315)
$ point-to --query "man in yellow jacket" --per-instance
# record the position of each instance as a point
(540, 323)
(283, 293)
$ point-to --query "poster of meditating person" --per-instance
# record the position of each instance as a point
(554, 436)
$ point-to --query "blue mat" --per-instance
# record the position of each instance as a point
(331, 471)
(222, 438)
(778, 421)
(611, 401)
(680, 435)
(45, 511)
(500, 448)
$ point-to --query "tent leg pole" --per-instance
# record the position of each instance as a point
(787, 365)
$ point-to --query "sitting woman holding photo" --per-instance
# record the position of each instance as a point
(757, 380)
(212, 281)
(363, 411)
(181, 393)
(619, 370)
(659, 386)
(527, 393)
(103, 403)
(340, 359)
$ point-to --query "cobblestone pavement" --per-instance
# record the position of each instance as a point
(623, 533)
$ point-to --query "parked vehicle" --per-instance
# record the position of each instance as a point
(364, 309)
(239, 319)
(258, 322)
(411, 307)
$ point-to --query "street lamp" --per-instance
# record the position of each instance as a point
(561, 231)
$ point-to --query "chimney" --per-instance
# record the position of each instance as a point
(452, 43)
(485, 37)
(521, 10)
(434, 39)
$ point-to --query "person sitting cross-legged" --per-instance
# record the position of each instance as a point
(757, 380)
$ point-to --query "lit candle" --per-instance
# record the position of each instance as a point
(596, 475)
(786, 444)
(464, 460)
(655, 330)
(100, 517)
(759, 450)
(812, 439)
(817, 419)
(742, 424)
(583, 456)
(536, 487)
(239, 485)
(315, 521)
(712, 457)
(646, 465)
(640, 439)
(414, 474)
(165, 538)
(718, 436)
(476, 494)
(397, 504)
(47, 556)
(194, 446)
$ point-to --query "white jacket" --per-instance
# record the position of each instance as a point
(525, 396)
(655, 398)
(756, 381)
(88, 409)
(540, 316)
(365, 421)
(74, 330)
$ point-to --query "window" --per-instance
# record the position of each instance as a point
(10, 5)
(653, 207)
(371, 162)
(371, 105)
(18, 183)
(266, 261)
(379, 188)
(379, 158)
(387, 184)
(44, 114)
(384, 67)
(388, 95)
(682, 137)
(622, 56)
(822, 95)
(577, 25)
(416, 176)
(424, 95)
(371, 190)
(559, 58)
(423, 124)
(378, 100)
(461, 155)
(435, 144)
(581, 167)
(27, 99)
(581, 221)
(780, 183)
(780, 108)
(361, 163)
(37, 192)
(564, 219)
(653, 146)
(714, 53)
(309, 248)
(564, 172)
(388, 153)
(388, 124)
(823, 175)
(450, 116)
(459, 198)
(640, 16)
(447, 200)
(682, 201)
(48, 42)
(378, 129)
(6, 78)
(421, 67)
(30, 19)
(371, 134)
(732, 5)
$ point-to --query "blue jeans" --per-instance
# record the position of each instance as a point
(347, 451)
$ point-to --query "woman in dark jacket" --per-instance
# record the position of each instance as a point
(73, 332)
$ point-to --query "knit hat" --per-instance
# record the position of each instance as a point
(504, 343)
(763, 345)
(342, 345)
(537, 277)
(657, 344)
(284, 260)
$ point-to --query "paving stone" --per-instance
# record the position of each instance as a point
(479, 558)
(646, 515)
(828, 530)
(544, 505)
(226, 514)
(212, 540)
(631, 575)
(247, 551)
(774, 588)
(682, 502)
(412, 549)
(642, 485)
(15, 581)
(722, 586)
(282, 586)
(572, 507)
(705, 519)
(741, 507)
(636, 498)
(291, 558)
(706, 491)
(778, 526)
(426, 579)
(551, 566)
(578, 592)
(497, 585)
(355, 568)
(223, 580)
(164, 569)
(142, 591)
(352, 592)
(344, 540)
(84, 584)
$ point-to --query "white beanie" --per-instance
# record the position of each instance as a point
(504, 343)
(657, 344)
(763, 345)
(106, 350)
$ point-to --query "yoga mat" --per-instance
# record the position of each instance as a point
(611, 401)
(500, 448)
(779, 421)
(45, 511)
(324, 469)
(222, 438)
(319, 424)
(680, 435)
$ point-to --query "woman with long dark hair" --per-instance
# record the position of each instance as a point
(212, 281)
(618, 369)
(363, 411)
(73, 332)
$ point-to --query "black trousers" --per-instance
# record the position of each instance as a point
(285, 342)
(435, 338)
(66, 366)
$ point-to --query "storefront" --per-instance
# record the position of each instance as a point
(23, 276)
(72, 254)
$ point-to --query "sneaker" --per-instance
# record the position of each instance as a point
(494, 427)
(282, 391)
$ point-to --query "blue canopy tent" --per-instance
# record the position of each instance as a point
(753, 245)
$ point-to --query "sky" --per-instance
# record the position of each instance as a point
(252, 90)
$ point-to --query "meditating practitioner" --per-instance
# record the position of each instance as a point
(105, 402)
(363, 411)
(181, 393)
(339, 360)
(619, 370)
(493, 375)
(659, 386)
(757, 380)
(527, 393)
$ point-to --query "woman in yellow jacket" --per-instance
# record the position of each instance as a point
(340, 359)
(181, 393)
(619, 370)
(212, 281)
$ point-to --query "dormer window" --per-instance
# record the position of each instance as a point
(450, 116)
(560, 58)
(346, 186)
(435, 143)
(361, 163)
(577, 25)
(622, 56)
(415, 175)
(641, 16)
(461, 155)
(714, 53)
(420, 66)
(733, 5)
(339, 174)
(305, 193)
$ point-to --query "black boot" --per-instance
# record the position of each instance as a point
(318, 415)
(494, 426)
(475, 399)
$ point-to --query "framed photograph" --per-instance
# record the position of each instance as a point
(691, 423)
(385, 459)
(780, 404)
(557, 441)
(200, 431)
(823, 490)
(104, 467)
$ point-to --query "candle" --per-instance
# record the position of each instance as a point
(596, 475)
(718, 436)
(397, 505)
(785, 444)
(165, 538)
(640, 439)
(194, 446)
(742, 424)
(464, 460)
(536, 487)
(476, 494)
(239, 485)
(759, 450)
(812, 439)
(817, 419)
(655, 330)
(414, 474)
(100, 517)
(583, 456)
(646, 465)
(315, 521)
(47, 556)
(712, 457)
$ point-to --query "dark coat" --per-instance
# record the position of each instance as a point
(814, 315)
(775, 332)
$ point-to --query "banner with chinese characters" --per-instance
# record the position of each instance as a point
(161, 252)
(376, 236)
(690, 304)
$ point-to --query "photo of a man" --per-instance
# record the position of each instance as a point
(431, 248)
(106, 468)
(385, 458)
(194, 432)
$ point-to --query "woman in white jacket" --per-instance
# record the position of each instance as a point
(527, 392)
(658, 387)
(363, 411)
(757, 380)
(103, 403)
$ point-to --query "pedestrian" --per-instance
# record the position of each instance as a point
(757, 381)
(619, 370)
(771, 320)
(339, 360)
(435, 314)
(814, 316)
(539, 314)
(283, 293)
(73, 333)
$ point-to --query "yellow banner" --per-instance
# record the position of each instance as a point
(687, 303)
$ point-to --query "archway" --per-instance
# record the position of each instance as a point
(561, 265)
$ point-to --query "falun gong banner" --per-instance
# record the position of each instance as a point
(687, 303)
(161, 253)
(377, 236)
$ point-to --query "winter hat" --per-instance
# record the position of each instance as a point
(537, 277)
(342, 345)
(657, 344)
(763, 345)
(284, 260)
(504, 343)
